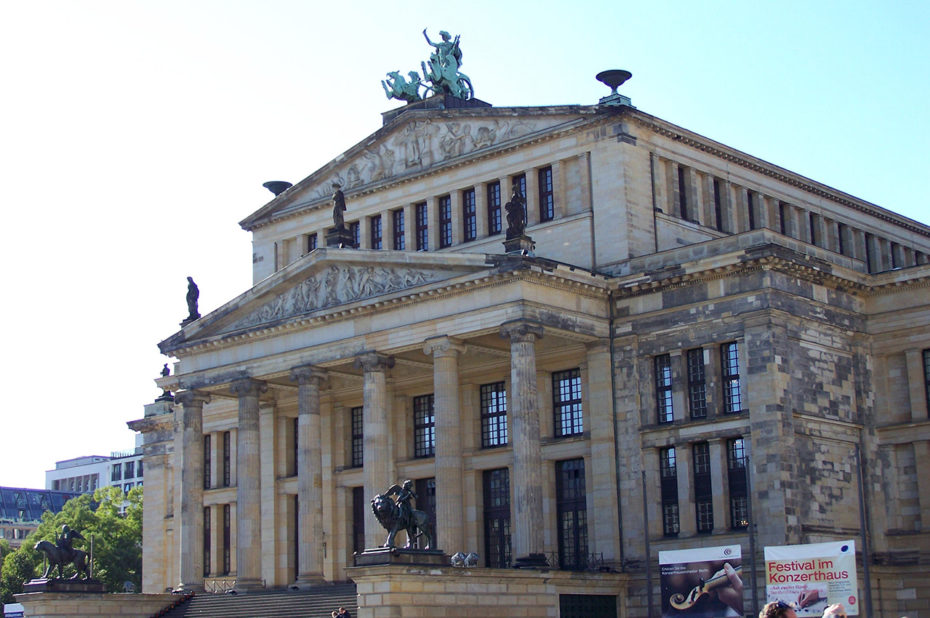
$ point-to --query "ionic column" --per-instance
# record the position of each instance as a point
(309, 474)
(527, 453)
(248, 488)
(377, 454)
(449, 488)
(190, 531)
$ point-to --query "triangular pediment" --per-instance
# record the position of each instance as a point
(322, 282)
(418, 142)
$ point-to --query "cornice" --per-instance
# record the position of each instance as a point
(152, 423)
(772, 171)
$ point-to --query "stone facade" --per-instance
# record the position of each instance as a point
(685, 303)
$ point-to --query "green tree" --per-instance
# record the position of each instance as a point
(117, 540)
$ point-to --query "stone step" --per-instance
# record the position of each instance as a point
(316, 602)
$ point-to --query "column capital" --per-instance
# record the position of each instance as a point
(307, 374)
(521, 331)
(245, 387)
(374, 362)
(192, 398)
(442, 346)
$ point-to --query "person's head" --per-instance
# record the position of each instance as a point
(408, 484)
(778, 609)
(445, 35)
(836, 610)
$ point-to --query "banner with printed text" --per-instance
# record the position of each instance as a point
(811, 577)
(702, 583)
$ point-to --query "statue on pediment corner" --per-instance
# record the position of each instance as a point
(339, 207)
(193, 295)
(516, 214)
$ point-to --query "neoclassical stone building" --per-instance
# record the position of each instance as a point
(689, 313)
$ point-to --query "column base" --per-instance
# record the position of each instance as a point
(308, 580)
(245, 585)
(532, 561)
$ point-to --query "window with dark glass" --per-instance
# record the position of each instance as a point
(927, 378)
(718, 209)
(422, 226)
(311, 242)
(812, 224)
(206, 541)
(497, 518)
(566, 403)
(295, 556)
(138, 473)
(424, 427)
(359, 505)
(751, 209)
(840, 238)
(375, 232)
(736, 473)
(572, 514)
(130, 469)
(469, 216)
(546, 197)
(295, 432)
(227, 527)
(493, 414)
(703, 493)
(494, 208)
(682, 193)
(354, 230)
(227, 460)
(358, 442)
(697, 385)
(397, 220)
(668, 471)
(207, 460)
(445, 221)
(116, 472)
(426, 502)
(585, 605)
(663, 364)
(732, 398)
(783, 218)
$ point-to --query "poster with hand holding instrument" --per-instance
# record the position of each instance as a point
(702, 583)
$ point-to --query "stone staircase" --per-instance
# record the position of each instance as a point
(316, 602)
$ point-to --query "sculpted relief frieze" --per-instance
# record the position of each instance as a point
(419, 146)
(336, 285)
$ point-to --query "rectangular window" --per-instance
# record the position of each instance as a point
(375, 232)
(546, 199)
(296, 445)
(751, 209)
(736, 472)
(812, 223)
(116, 472)
(354, 230)
(840, 238)
(520, 181)
(227, 533)
(697, 385)
(870, 266)
(130, 469)
(718, 211)
(207, 460)
(311, 242)
(732, 398)
(571, 514)
(494, 208)
(493, 415)
(497, 518)
(703, 493)
(682, 194)
(358, 519)
(927, 378)
(469, 216)
(206, 541)
(422, 226)
(227, 460)
(664, 388)
(397, 220)
(424, 427)
(138, 472)
(668, 469)
(445, 222)
(426, 502)
(566, 403)
(358, 442)
(783, 218)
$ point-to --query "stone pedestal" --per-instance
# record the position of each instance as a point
(64, 585)
(340, 237)
(388, 555)
(520, 245)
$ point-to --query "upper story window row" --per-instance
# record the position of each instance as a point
(693, 195)
(689, 384)
(462, 216)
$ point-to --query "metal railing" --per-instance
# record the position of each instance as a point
(219, 585)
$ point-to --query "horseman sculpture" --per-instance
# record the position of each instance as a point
(62, 553)
(396, 515)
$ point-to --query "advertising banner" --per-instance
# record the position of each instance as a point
(811, 577)
(702, 583)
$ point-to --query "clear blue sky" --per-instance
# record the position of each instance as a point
(135, 135)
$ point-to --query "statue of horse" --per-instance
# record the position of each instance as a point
(60, 556)
(388, 514)
(400, 88)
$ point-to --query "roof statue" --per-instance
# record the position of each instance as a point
(193, 295)
(441, 72)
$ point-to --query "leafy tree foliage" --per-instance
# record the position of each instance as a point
(117, 541)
